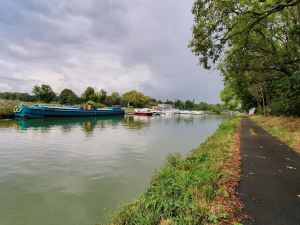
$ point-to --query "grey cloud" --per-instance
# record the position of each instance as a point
(112, 44)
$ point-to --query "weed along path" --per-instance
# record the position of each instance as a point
(270, 185)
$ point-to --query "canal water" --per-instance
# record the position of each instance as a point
(79, 171)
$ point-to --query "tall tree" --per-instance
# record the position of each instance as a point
(135, 99)
(89, 95)
(67, 96)
(101, 96)
(113, 99)
(44, 93)
(256, 45)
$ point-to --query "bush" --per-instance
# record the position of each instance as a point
(7, 108)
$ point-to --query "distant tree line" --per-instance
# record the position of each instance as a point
(44, 93)
(256, 45)
(18, 96)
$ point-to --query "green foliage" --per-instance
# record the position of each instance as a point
(67, 96)
(90, 102)
(189, 105)
(44, 93)
(135, 99)
(16, 96)
(113, 99)
(179, 104)
(256, 45)
(89, 95)
(101, 96)
(6, 108)
(202, 106)
(169, 102)
(101, 99)
(183, 191)
(228, 96)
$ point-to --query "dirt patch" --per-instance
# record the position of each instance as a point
(227, 208)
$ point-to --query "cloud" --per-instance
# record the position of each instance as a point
(117, 45)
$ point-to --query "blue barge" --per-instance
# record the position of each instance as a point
(41, 111)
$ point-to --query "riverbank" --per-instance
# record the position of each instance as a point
(7, 108)
(198, 189)
(286, 129)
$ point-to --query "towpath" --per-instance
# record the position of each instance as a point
(270, 185)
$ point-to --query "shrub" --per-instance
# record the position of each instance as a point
(6, 108)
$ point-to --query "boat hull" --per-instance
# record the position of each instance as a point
(143, 113)
(44, 112)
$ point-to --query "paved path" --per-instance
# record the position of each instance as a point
(270, 182)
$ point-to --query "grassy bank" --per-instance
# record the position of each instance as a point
(287, 129)
(198, 189)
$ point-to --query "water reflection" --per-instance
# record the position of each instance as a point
(86, 167)
(136, 122)
(89, 124)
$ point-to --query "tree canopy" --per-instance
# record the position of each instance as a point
(132, 98)
(113, 99)
(135, 99)
(44, 93)
(89, 95)
(67, 96)
(256, 45)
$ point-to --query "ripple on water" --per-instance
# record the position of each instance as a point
(78, 171)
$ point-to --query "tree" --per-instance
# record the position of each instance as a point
(179, 104)
(44, 93)
(89, 95)
(203, 106)
(228, 96)
(67, 96)
(113, 99)
(218, 23)
(256, 45)
(170, 102)
(189, 105)
(101, 96)
(135, 99)
(18, 96)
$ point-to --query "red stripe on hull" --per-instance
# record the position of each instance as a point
(143, 113)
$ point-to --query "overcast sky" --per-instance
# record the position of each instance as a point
(117, 45)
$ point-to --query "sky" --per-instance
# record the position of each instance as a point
(115, 45)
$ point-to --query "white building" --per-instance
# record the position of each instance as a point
(165, 107)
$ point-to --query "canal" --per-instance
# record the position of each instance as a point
(79, 171)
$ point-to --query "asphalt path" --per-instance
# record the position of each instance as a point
(270, 184)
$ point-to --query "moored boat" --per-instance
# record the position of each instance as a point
(143, 112)
(198, 112)
(156, 112)
(186, 112)
(42, 111)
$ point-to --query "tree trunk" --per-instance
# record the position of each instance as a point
(263, 100)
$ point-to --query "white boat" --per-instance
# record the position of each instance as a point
(186, 112)
(170, 112)
(176, 111)
(198, 112)
(156, 112)
(142, 112)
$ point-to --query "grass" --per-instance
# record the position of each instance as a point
(287, 129)
(192, 190)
